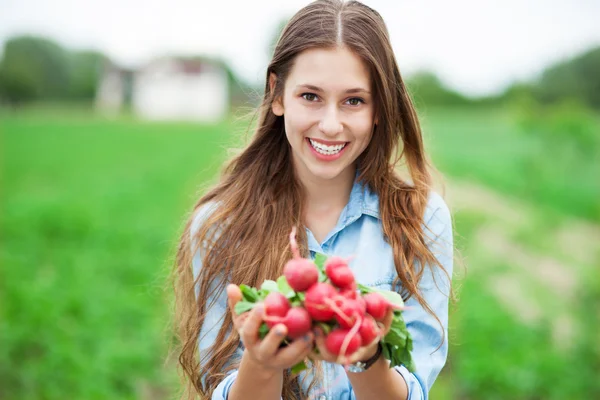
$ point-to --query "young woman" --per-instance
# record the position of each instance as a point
(335, 121)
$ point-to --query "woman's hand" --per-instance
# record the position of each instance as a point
(362, 354)
(266, 352)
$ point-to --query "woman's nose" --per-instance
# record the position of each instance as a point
(331, 124)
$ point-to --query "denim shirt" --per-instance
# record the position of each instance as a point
(358, 232)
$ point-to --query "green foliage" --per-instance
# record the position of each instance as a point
(426, 89)
(575, 78)
(499, 357)
(85, 70)
(496, 147)
(90, 216)
(284, 287)
(568, 128)
(565, 147)
(498, 349)
(34, 68)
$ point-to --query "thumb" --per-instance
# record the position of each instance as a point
(234, 294)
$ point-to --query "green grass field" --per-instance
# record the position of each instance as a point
(91, 210)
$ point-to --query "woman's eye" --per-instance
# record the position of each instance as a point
(309, 96)
(355, 101)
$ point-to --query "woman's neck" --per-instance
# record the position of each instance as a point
(327, 195)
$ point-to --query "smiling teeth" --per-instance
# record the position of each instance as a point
(326, 150)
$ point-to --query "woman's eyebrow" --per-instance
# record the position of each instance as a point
(318, 89)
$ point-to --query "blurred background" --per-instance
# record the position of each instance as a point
(116, 115)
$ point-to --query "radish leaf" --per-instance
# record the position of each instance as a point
(284, 287)
(243, 306)
(269, 286)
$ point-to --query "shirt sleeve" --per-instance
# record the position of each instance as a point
(430, 339)
(215, 313)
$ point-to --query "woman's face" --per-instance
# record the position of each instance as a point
(328, 111)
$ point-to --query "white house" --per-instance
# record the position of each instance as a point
(169, 89)
(114, 89)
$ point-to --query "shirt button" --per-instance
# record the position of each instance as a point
(323, 398)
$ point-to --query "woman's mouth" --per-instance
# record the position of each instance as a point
(325, 149)
(323, 152)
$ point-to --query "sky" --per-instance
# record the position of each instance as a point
(478, 47)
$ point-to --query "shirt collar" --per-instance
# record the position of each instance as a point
(362, 201)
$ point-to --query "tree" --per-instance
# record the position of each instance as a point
(426, 88)
(33, 68)
(578, 78)
(85, 69)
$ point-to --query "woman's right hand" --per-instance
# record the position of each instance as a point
(266, 352)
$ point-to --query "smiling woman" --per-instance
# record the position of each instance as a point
(330, 123)
(334, 121)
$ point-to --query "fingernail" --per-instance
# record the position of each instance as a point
(306, 338)
(279, 332)
(230, 289)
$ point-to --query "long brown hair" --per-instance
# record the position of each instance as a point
(258, 190)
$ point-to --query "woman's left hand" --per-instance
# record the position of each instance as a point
(362, 354)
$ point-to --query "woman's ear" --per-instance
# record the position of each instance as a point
(277, 105)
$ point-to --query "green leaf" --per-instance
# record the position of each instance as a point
(320, 260)
(249, 293)
(397, 344)
(294, 302)
(301, 366)
(297, 300)
(388, 352)
(391, 296)
(365, 289)
(284, 287)
(269, 286)
(243, 306)
(325, 327)
(410, 365)
(263, 330)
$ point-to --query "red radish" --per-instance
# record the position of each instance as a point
(342, 277)
(316, 303)
(377, 305)
(362, 303)
(347, 312)
(334, 262)
(369, 330)
(300, 273)
(334, 342)
(276, 307)
(298, 322)
(350, 294)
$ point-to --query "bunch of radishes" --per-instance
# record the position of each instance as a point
(324, 293)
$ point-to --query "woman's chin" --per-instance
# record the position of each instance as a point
(325, 173)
